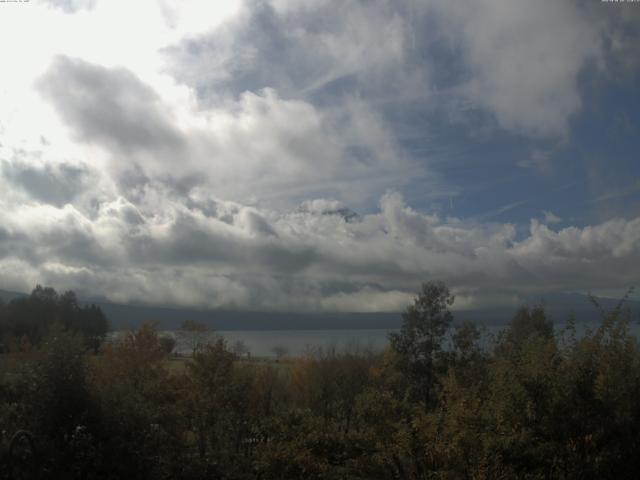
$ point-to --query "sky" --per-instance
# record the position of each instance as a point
(319, 155)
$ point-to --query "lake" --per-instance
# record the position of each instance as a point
(296, 342)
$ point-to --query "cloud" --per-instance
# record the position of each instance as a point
(110, 107)
(295, 48)
(613, 239)
(72, 6)
(518, 63)
(260, 147)
(550, 218)
(620, 32)
(232, 255)
(367, 300)
(53, 184)
(523, 60)
(254, 154)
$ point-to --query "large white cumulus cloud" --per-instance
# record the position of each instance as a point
(216, 253)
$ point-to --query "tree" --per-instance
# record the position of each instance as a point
(280, 351)
(167, 343)
(138, 398)
(419, 343)
(468, 357)
(194, 335)
(32, 317)
(210, 398)
(60, 402)
(528, 323)
(240, 348)
(466, 341)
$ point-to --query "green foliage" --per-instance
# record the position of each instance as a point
(28, 320)
(419, 344)
(57, 403)
(526, 324)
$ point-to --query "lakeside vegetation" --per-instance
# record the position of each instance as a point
(537, 404)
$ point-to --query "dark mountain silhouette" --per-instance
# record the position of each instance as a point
(7, 295)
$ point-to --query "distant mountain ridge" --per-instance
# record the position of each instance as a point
(7, 295)
(559, 306)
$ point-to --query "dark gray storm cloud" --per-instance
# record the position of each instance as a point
(246, 242)
(110, 107)
(53, 184)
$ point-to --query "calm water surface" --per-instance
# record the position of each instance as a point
(261, 343)
(296, 342)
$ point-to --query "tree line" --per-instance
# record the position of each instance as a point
(436, 404)
(26, 321)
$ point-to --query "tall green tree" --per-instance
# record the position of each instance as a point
(419, 344)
